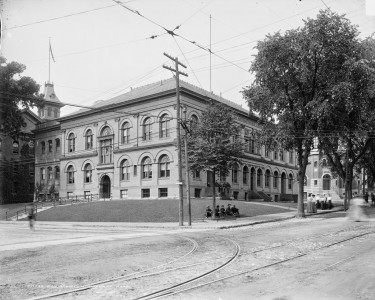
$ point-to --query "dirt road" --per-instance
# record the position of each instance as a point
(315, 258)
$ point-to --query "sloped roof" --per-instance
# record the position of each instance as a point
(49, 94)
(157, 88)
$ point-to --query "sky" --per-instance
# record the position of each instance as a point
(102, 49)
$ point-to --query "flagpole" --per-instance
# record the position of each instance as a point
(49, 60)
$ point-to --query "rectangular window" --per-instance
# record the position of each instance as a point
(145, 193)
(291, 157)
(43, 147)
(123, 194)
(42, 174)
(196, 174)
(266, 151)
(197, 193)
(315, 182)
(135, 170)
(87, 194)
(282, 155)
(57, 143)
(275, 154)
(163, 192)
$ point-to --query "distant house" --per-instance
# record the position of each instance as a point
(125, 148)
(17, 162)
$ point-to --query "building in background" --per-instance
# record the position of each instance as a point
(125, 148)
(17, 162)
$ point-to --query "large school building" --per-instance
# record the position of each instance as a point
(125, 148)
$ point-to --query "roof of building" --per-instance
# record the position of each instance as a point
(157, 88)
(49, 94)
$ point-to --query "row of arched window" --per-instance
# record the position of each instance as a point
(259, 177)
(126, 169)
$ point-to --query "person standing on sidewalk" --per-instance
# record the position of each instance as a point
(31, 215)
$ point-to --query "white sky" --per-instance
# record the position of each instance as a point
(102, 53)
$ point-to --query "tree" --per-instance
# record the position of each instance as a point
(293, 73)
(16, 91)
(346, 119)
(214, 145)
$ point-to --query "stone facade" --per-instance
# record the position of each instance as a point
(125, 148)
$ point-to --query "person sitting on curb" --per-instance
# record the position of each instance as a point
(235, 211)
(228, 211)
(217, 211)
(222, 211)
(208, 212)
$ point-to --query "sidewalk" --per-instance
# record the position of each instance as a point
(196, 224)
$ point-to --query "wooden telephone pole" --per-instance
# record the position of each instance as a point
(179, 182)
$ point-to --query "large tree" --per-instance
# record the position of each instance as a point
(16, 92)
(294, 72)
(214, 144)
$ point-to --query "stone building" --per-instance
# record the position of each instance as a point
(125, 148)
(17, 162)
(319, 179)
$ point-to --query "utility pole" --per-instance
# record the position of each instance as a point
(179, 182)
(184, 125)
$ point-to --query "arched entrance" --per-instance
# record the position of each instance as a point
(283, 183)
(252, 179)
(105, 187)
(326, 182)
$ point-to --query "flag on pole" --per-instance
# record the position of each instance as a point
(50, 51)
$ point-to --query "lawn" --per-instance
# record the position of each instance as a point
(148, 210)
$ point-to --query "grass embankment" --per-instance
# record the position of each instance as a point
(149, 210)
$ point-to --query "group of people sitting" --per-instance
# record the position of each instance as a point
(221, 212)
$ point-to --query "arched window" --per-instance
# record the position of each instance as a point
(235, 173)
(42, 174)
(70, 175)
(164, 166)
(15, 147)
(281, 155)
(147, 129)
(106, 147)
(89, 138)
(267, 178)
(275, 154)
(245, 175)
(88, 173)
(290, 181)
(125, 170)
(43, 143)
(259, 177)
(146, 168)
(49, 173)
(193, 120)
(71, 142)
(50, 146)
(125, 133)
(326, 182)
(164, 126)
(275, 179)
(49, 111)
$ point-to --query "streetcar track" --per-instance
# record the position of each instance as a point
(126, 276)
(258, 268)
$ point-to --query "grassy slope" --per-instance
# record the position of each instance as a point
(147, 210)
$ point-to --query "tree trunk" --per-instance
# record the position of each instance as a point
(300, 204)
(213, 195)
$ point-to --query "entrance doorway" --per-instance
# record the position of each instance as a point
(283, 183)
(105, 187)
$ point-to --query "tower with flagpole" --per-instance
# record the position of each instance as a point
(52, 104)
